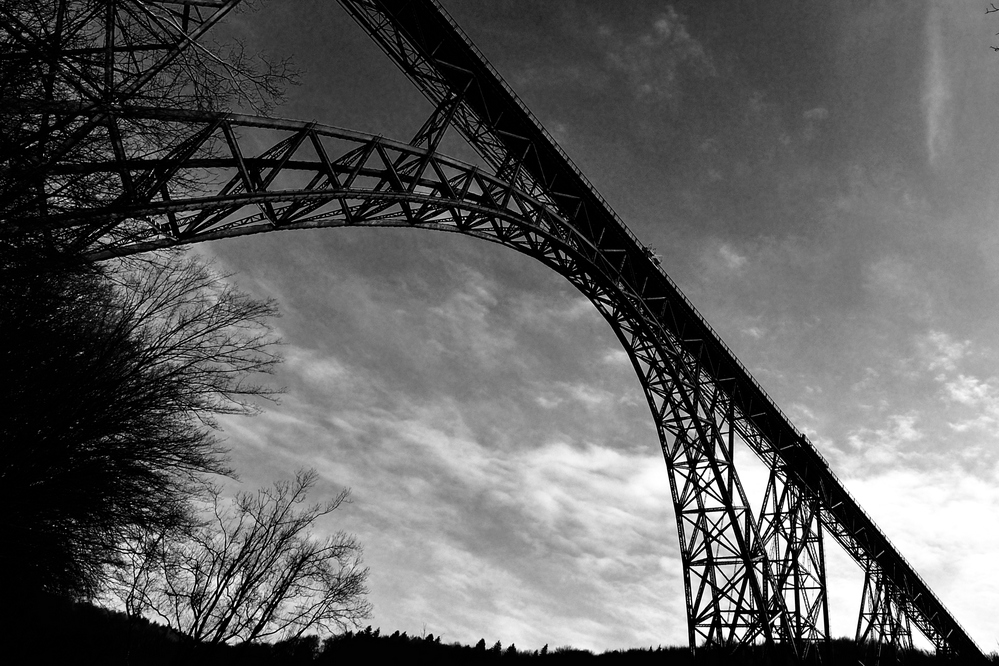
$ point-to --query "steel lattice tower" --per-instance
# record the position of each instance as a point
(751, 573)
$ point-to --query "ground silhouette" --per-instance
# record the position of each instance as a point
(49, 629)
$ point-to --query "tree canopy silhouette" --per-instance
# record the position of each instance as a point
(111, 382)
(112, 373)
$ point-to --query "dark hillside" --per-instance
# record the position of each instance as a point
(45, 629)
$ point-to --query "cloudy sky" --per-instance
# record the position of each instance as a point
(820, 180)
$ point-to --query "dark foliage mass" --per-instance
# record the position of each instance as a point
(112, 373)
(371, 646)
(50, 630)
(110, 380)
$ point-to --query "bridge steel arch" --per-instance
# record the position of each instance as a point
(741, 576)
(750, 575)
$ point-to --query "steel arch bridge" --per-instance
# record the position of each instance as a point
(751, 573)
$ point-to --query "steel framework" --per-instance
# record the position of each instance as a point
(882, 619)
(750, 574)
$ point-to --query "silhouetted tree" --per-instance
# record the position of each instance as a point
(253, 571)
(110, 374)
(110, 383)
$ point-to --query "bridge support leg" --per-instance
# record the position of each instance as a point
(791, 528)
(882, 621)
(728, 579)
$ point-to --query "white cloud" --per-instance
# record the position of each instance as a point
(969, 390)
(588, 395)
(969, 402)
(882, 447)
(323, 371)
(818, 113)
(980, 400)
(940, 351)
(799, 409)
(542, 534)
(654, 61)
(616, 357)
(732, 259)
(549, 401)
(558, 541)
(544, 313)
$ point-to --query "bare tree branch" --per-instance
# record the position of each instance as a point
(111, 385)
(252, 570)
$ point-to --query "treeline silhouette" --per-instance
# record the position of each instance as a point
(49, 629)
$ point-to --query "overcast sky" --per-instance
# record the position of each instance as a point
(820, 180)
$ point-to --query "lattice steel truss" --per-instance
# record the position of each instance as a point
(882, 619)
(750, 574)
(97, 55)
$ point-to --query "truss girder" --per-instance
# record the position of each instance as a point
(307, 175)
(430, 49)
(747, 577)
(347, 178)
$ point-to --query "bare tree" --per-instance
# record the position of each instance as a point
(111, 374)
(110, 384)
(252, 570)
